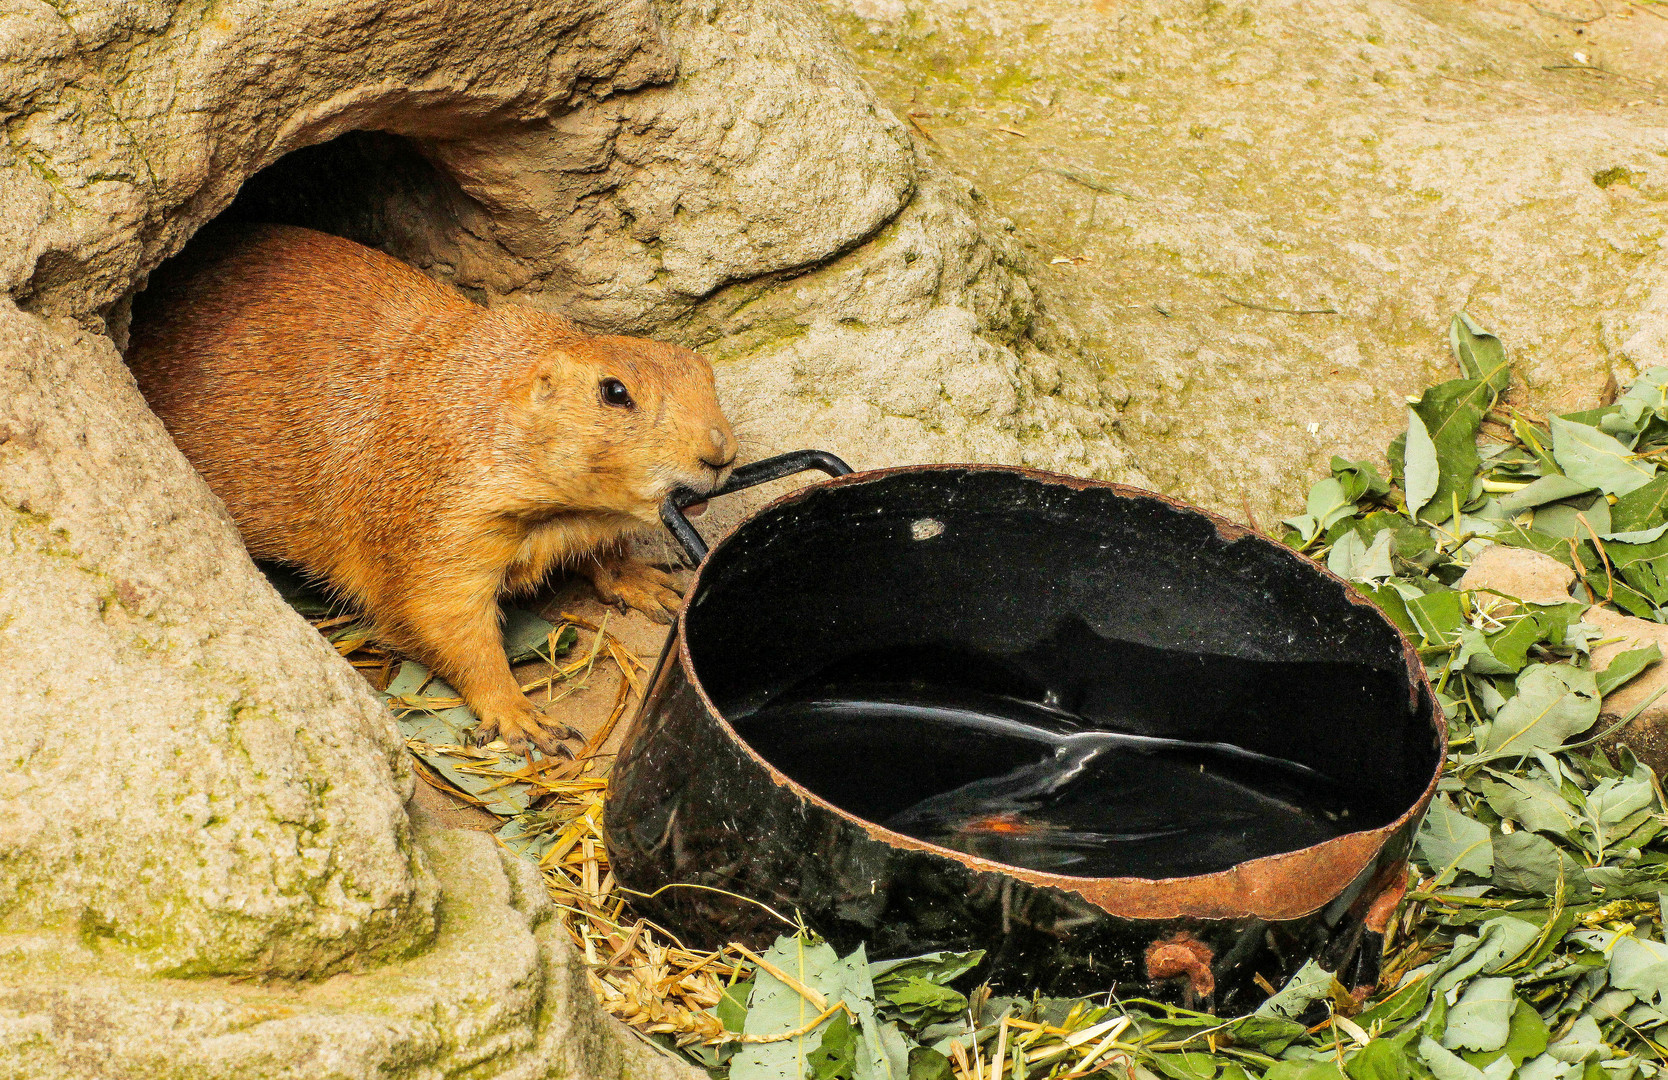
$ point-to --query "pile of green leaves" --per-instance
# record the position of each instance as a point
(1533, 943)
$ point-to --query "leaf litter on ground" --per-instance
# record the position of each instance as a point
(1531, 945)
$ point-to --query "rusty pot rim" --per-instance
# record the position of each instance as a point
(1274, 888)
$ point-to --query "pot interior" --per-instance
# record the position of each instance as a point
(1080, 680)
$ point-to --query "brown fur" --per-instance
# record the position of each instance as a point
(419, 453)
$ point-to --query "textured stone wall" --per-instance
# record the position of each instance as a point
(1261, 216)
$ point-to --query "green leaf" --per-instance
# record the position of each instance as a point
(1518, 537)
(1553, 702)
(836, 1057)
(1589, 456)
(1413, 544)
(1380, 1059)
(1512, 644)
(1392, 604)
(1593, 417)
(1184, 1066)
(732, 1006)
(1638, 536)
(1359, 479)
(1646, 397)
(925, 1063)
(1643, 566)
(1618, 805)
(1445, 1064)
(1438, 616)
(1527, 863)
(1304, 1070)
(1623, 595)
(1583, 1040)
(1311, 983)
(1270, 1034)
(1502, 941)
(1451, 413)
(1481, 355)
(882, 1050)
(918, 999)
(1574, 517)
(1423, 475)
(1450, 841)
(774, 1008)
(1481, 1018)
(526, 636)
(1557, 620)
(1528, 1037)
(1476, 656)
(1533, 805)
(1624, 555)
(1547, 489)
(1329, 503)
(450, 727)
(1436, 1019)
(1619, 883)
(1401, 1006)
(1641, 966)
(1625, 666)
(1353, 560)
(936, 967)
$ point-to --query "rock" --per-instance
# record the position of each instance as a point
(926, 344)
(164, 796)
(1647, 734)
(499, 992)
(1262, 216)
(1527, 575)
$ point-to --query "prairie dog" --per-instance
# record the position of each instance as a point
(418, 453)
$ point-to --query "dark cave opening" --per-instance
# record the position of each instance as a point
(371, 187)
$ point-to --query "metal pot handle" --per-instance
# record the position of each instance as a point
(759, 472)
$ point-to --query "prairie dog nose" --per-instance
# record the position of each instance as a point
(723, 447)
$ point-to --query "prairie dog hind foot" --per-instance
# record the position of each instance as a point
(631, 583)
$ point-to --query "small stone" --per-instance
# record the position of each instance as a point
(1519, 572)
(1647, 734)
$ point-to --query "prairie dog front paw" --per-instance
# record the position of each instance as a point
(522, 729)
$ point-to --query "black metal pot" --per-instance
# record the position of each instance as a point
(1104, 594)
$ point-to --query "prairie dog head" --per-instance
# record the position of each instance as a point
(619, 422)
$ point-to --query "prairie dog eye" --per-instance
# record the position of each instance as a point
(614, 393)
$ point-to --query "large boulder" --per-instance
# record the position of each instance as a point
(1262, 215)
(499, 992)
(206, 863)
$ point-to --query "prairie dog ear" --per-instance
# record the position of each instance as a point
(546, 382)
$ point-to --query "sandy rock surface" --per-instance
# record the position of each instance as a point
(1261, 216)
(1646, 734)
(499, 992)
(1518, 572)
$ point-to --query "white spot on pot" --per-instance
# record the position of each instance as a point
(926, 528)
